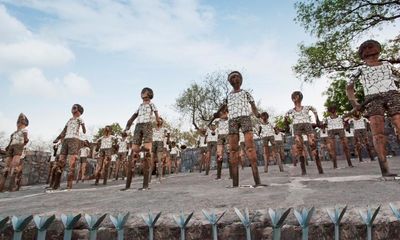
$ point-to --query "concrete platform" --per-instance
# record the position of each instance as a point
(356, 187)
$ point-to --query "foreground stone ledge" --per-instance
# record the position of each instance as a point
(386, 227)
(355, 187)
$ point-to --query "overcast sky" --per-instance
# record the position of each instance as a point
(102, 53)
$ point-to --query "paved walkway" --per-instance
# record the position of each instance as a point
(358, 186)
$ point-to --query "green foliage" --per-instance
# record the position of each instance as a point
(336, 95)
(188, 138)
(189, 101)
(280, 122)
(325, 58)
(329, 18)
(337, 24)
(115, 130)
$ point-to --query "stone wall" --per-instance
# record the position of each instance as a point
(190, 156)
(36, 166)
(385, 228)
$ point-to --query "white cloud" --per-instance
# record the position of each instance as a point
(33, 82)
(184, 34)
(117, 26)
(32, 53)
(20, 48)
(172, 32)
(7, 124)
(10, 28)
(168, 31)
(24, 56)
(76, 85)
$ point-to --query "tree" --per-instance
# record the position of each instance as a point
(115, 130)
(336, 95)
(188, 138)
(39, 145)
(280, 122)
(188, 103)
(200, 101)
(337, 24)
